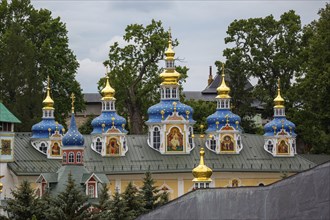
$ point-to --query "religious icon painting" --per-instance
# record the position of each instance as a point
(283, 147)
(227, 143)
(175, 140)
(112, 146)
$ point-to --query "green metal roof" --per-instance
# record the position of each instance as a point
(6, 115)
(140, 157)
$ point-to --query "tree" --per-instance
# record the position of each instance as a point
(133, 200)
(71, 204)
(266, 49)
(103, 207)
(86, 127)
(34, 45)
(118, 208)
(23, 204)
(135, 72)
(311, 92)
(149, 192)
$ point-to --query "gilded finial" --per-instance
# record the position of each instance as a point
(48, 101)
(174, 106)
(162, 112)
(107, 92)
(113, 121)
(123, 126)
(274, 127)
(290, 130)
(187, 113)
(49, 131)
(56, 126)
(279, 101)
(202, 173)
(103, 126)
(73, 97)
(223, 90)
(63, 130)
(202, 131)
(217, 123)
(227, 119)
(237, 123)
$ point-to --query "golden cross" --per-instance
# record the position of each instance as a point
(72, 102)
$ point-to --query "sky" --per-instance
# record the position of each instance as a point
(199, 26)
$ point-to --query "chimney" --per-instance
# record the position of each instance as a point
(210, 80)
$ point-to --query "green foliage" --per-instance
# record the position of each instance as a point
(266, 49)
(202, 109)
(23, 204)
(86, 127)
(34, 45)
(135, 72)
(311, 93)
(118, 208)
(133, 200)
(150, 193)
(71, 204)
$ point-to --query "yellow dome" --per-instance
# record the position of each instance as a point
(202, 173)
(48, 101)
(279, 101)
(223, 90)
(108, 92)
(170, 76)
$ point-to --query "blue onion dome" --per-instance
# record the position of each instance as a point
(164, 108)
(106, 120)
(279, 122)
(46, 128)
(73, 136)
(109, 116)
(220, 118)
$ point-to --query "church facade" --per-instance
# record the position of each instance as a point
(170, 149)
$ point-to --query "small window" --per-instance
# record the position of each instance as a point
(124, 144)
(161, 93)
(234, 183)
(5, 126)
(261, 184)
(239, 141)
(91, 191)
(174, 93)
(202, 185)
(78, 159)
(213, 143)
(98, 145)
(71, 157)
(43, 147)
(207, 185)
(168, 93)
(270, 146)
(222, 104)
(190, 137)
(64, 158)
(156, 138)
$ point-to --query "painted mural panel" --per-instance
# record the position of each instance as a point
(175, 140)
(227, 143)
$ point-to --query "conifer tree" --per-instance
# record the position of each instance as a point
(70, 204)
(118, 208)
(134, 200)
(149, 192)
(163, 199)
(103, 207)
(23, 204)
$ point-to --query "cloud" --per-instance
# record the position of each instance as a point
(101, 51)
(89, 74)
(142, 6)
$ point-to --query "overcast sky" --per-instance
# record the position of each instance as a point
(200, 27)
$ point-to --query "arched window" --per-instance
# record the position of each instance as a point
(124, 144)
(162, 93)
(213, 143)
(64, 157)
(91, 191)
(168, 93)
(43, 147)
(78, 159)
(234, 183)
(190, 137)
(71, 157)
(98, 145)
(222, 104)
(239, 142)
(270, 146)
(261, 184)
(156, 138)
(174, 93)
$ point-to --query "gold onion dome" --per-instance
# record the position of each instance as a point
(108, 92)
(223, 90)
(170, 76)
(202, 173)
(48, 101)
(279, 101)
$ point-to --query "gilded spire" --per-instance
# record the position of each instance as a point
(202, 173)
(279, 101)
(72, 102)
(48, 101)
(170, 76)
(108, 92)
(223, 90)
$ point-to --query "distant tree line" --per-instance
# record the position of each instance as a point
(72, 203)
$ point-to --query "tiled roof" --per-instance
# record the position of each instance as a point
(6, 115)
(140, 157)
